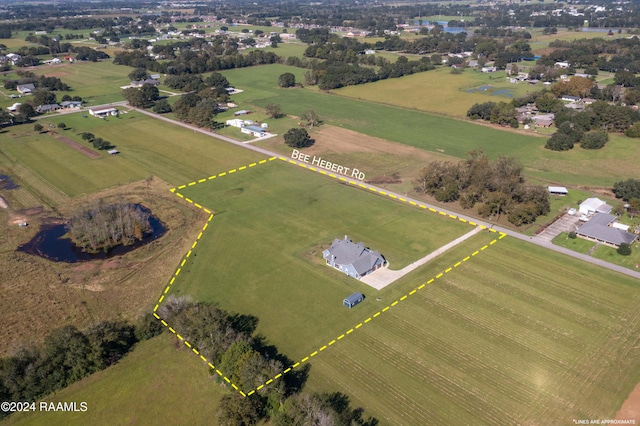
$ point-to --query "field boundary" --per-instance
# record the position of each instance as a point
(499, 236)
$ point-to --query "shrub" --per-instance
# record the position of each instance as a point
(624, 249)
(594, 140)
(572, 235)
(559, 142)
(297, 138)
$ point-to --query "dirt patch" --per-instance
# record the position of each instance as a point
(3, 203)
(79, 147)
(630, 409)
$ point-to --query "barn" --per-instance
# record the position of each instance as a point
(353, 300)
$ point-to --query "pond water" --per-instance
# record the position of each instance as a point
(7, 183)
(49, 244)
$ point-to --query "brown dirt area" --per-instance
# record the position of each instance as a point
(630, 409)
(79, 147)
(39, 295)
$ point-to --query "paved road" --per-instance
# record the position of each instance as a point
(532, 240)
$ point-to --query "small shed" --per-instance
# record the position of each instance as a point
(558, 190)
(353, 300)
(113, 152)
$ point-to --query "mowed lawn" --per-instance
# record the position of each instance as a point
(147, 147)
(519, 335)
(262, 252)
(154, 384)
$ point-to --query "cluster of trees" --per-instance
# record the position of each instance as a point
(198, 108)
(496, 187)
(40, 82)
(98, 143)
(84, 53)
(627, 189)
(102, 226)
(501, 113)
(142, 97)
(297, 138)
(189, 62)
(66, 356)
(249, 361)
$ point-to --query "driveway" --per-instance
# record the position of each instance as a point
(566, 223)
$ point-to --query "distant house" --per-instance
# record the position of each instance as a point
(594, 205)
(155, 76)
(47, 108)
(71, 104)
(562, 64)
(52, 61)
(25, 89)
(242, 112)
(353, 300)
(369, 52)
(14, 107)
(254, 131)
(103, 112)
(601, 228)
(236, 122)
(352, 259)
(140, 83)
(570, 98)
(489, 69)
(557, 190)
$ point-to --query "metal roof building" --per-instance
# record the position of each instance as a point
(599, 229)
(352, 259)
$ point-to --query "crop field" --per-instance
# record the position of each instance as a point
(441, 92)
(264, 248)
(501, 341)
(141, 389)
(437, 134)
(147, 147)
(96, 82)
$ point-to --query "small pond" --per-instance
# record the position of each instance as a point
(49, 244)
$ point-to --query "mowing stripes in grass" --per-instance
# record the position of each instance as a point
(500, 235)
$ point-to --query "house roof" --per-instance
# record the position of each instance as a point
(255, 129)
(598, 228)
(346, 252)
(596, 205)
(102, 110)
(28, 86)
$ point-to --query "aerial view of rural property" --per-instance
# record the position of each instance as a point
(320, 212)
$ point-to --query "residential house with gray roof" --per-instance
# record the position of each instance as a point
(601, 229)
(353, 259)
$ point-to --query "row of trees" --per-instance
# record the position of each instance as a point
(98, 143)
(39, 81)
(249, 361)
(496, 187)
(102, 226)
(67, 355)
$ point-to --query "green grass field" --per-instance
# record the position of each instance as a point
(500, 341)
(576, 244)
(442, 135)
(154, 384)
(264, 248)
(96, 82)
(147, 147)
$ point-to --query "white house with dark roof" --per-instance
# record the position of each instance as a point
(601, 228)
(353, 259)
(25, 89)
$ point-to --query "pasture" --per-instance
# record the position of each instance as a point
(500, 341)
(440, 135)
(264, 248)
(148, 147)
(142, 388)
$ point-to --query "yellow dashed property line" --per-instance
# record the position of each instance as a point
(348, 332)
(366, 321)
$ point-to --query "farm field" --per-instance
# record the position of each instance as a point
(438, 134)
(264, 248)
(147, 147)
(96, 82)
(500, 341)
(603, 252)
(440, 92)
(154, 384)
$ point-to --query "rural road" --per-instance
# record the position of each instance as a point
(532, 240)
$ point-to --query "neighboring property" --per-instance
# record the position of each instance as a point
(52, 61)
(489, 69)
(242, 112)
(140, 83)
(569, 98)
(103, 112)
(113, 152)
(594, 205)
(254, 131)
(71, 104)
(14, 107)
(25, 89)
(47, 108)
(557, 190)
(562, 64)
(237, 122)
(352, 259)
(603, 229)
(353, 300)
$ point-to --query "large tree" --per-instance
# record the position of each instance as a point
(311, 117)
(274, 110)
(297, 138)
(287, 80)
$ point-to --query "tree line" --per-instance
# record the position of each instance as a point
(495, 187)
(248, 361)
(67, 355)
